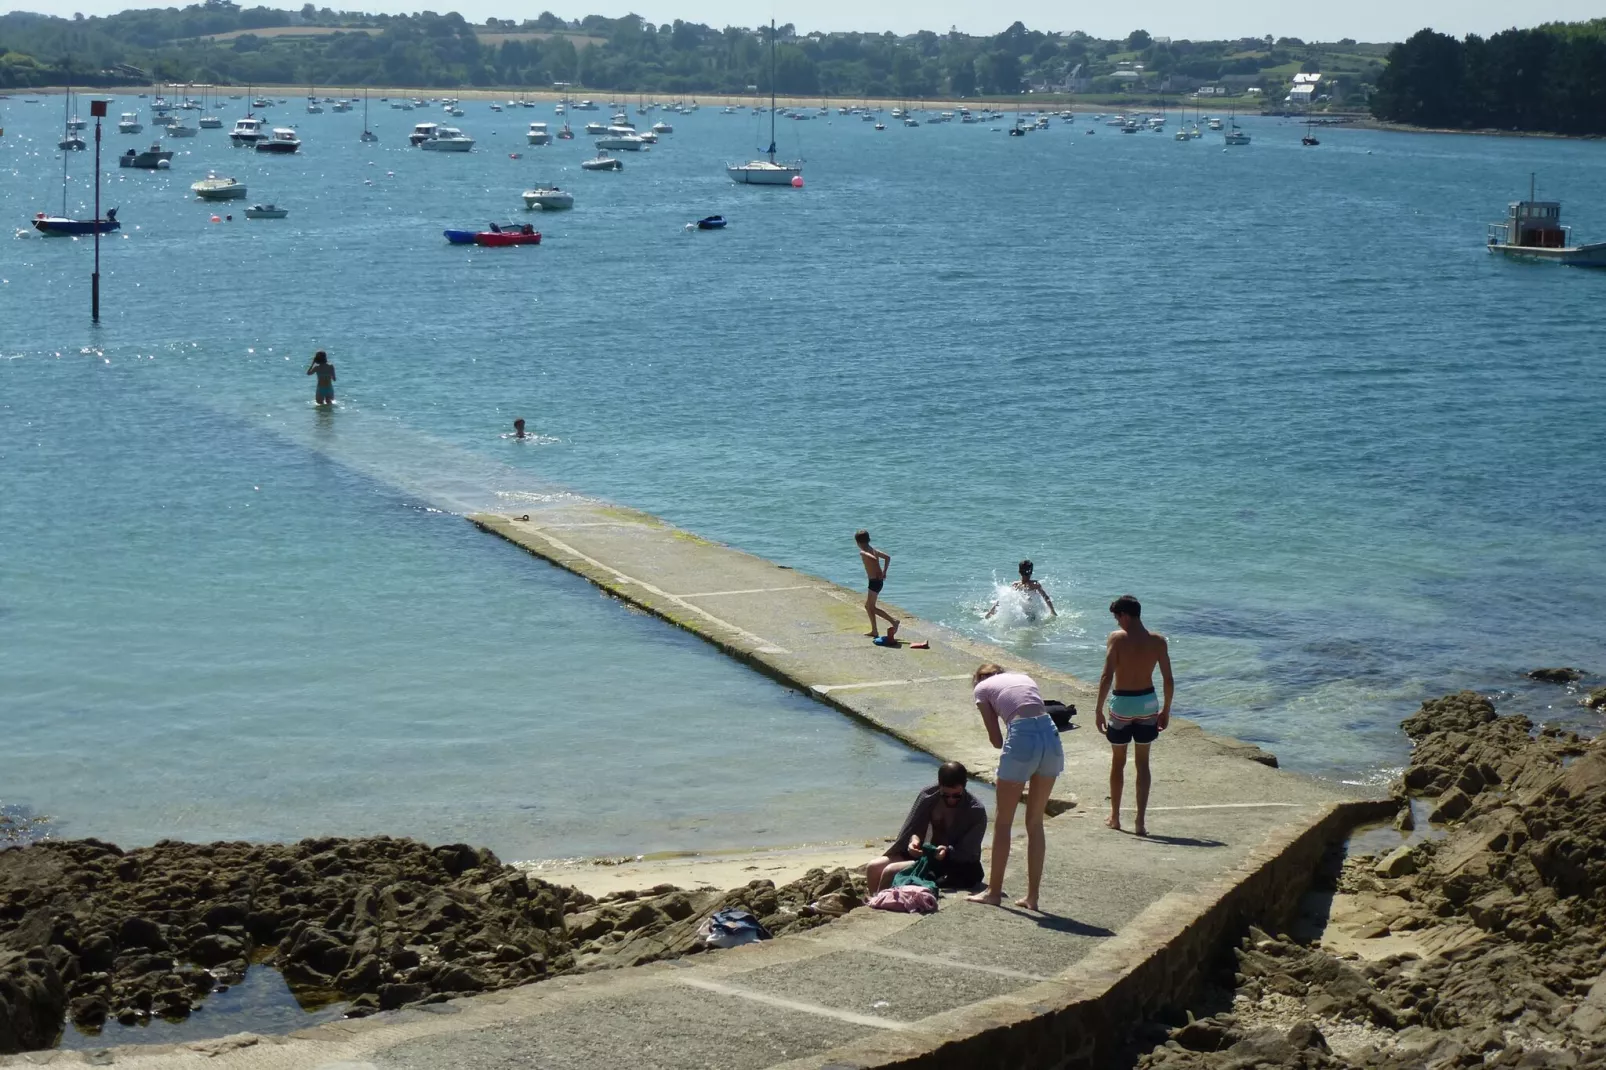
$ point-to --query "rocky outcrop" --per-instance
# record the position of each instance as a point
(153, 931)
(91, 932)
(1557, 676)
(1501, 924)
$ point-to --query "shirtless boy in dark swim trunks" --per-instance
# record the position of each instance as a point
(875, 568)
(1134, 716)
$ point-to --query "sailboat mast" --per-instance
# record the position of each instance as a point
(65, 153)
(772, 91)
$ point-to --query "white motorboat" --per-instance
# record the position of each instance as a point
(548, 197)
(129, 123)
(585, 105)
(1214, 124)
(447, 139)
(214, 188)
(662, 128)
(602, 162)
(283, 141)
(341, 105)
(75, 123)
(594, 129)
(625, 142)
(209, 122)
(247, 131)
(266, 211)
(423, 132)
(538, 134)
(313, 107)
(1533, 231)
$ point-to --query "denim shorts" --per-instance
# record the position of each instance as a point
(1031, 748)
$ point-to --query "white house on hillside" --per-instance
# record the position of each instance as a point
(1304, 90)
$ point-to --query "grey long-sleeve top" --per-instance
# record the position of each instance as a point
(963, 835)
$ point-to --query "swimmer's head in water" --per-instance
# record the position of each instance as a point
(1026, 569)
(518, 425)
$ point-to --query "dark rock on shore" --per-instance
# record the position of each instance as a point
(1490, 948)
(1557, 676)
(91, 932)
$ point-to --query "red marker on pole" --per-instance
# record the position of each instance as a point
(97, 108)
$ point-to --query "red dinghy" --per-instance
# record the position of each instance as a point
(526, 236)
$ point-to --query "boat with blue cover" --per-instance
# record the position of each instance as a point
(712, 222)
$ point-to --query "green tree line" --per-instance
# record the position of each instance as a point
(1551, 78)
(630, 54)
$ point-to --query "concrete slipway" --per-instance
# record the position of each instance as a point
(1128, 922)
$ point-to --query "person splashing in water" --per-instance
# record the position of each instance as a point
(1030, 590)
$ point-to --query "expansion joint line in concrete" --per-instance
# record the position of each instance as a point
(763, 646)
(826, 689)
(950, 964)
(754, 590)
(793, 1004)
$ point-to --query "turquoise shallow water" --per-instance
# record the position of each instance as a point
(1345, 457)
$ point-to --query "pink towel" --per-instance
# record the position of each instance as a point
(906, 898)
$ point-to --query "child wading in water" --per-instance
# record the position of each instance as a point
(875, 568)
(324, 394)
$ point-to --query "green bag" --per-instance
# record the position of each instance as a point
(922, 873)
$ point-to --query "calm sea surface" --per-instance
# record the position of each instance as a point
(1346, 459)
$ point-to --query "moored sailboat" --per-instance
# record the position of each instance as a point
(768, 171)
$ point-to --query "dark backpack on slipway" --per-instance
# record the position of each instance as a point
(1061, 713)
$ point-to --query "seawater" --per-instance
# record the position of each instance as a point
(1346, 458)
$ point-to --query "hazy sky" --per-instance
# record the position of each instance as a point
(1365, 20)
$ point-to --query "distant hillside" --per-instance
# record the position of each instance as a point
(1552, 78)
(220, 42)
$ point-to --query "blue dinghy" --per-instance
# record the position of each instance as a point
(460, 237)
(712, 222)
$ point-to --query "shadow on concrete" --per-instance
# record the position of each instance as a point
(1181, 841)
(1061, 924)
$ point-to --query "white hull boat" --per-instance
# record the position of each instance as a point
(548, 197)
(1533, 231)
(764, 173)
(448, 139)
(213, 188)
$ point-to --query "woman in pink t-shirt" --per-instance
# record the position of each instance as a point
(1030, 755)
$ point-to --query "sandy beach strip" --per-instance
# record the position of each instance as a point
(722, 870)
